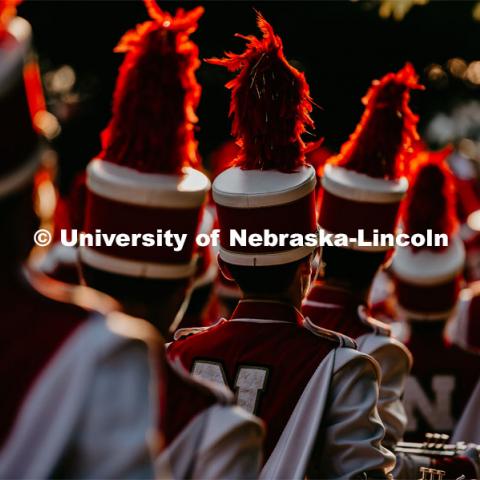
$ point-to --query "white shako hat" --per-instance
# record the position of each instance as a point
(363, 186)
(428, 278)
(146, 177)
(269, 186)
(21, 98)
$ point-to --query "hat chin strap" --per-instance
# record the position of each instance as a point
(14, 181)
(136, 268)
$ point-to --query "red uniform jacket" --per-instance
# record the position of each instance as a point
(338, 310)
(273, 359)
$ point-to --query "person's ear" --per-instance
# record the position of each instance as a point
(224, 269)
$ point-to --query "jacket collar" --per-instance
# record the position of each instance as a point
(333, 295)
(267, 310)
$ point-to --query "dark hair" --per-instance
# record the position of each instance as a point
(353, 266)
(122, 287)
(265, 280)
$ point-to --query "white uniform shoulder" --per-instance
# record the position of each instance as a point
(382, 347)
(340, 339)
(80, 381)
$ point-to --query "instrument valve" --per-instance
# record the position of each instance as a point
(431, 474)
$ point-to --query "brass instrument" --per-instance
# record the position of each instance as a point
(435, 445)
(431, 474)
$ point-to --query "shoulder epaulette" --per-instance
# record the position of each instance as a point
(340, 339)
(182, 333)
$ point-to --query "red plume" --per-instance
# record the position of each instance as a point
(8, 9)
(379, 147)
(156, 95)
(270, 103)
(317, 155)
(430, 202)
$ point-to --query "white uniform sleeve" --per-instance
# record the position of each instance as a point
(394, 366)
(111, 438)
(350, 440)
(231, 446)
(223, 441)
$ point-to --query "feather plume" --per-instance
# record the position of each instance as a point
(430, 202)
(270, 103)
(382, 142)
(156, 95)
(8, 9)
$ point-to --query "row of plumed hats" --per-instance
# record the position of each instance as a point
(149, 174)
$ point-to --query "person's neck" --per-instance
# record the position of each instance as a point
(431, 326)
(361, 295)
(283, 298)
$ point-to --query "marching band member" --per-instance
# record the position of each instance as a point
(68, 373)
(427, 282)
(362, 189)
(147, 177)
(315, 391)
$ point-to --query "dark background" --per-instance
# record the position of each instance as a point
(341, 45)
